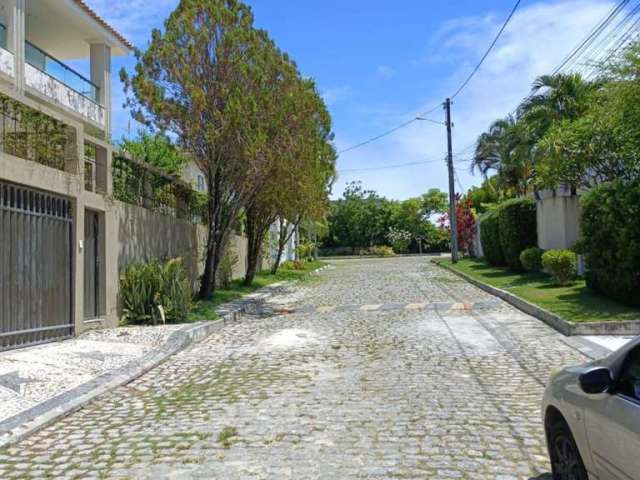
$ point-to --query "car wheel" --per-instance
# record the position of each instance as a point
(566, 462)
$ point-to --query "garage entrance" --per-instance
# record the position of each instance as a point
(36, 284)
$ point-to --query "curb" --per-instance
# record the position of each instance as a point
(627, 327)
(20, 426)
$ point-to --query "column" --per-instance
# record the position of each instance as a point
(101, 77)
(14, 12)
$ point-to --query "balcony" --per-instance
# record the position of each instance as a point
(6, 57)
(60, 83)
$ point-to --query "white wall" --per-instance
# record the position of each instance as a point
(558, 218)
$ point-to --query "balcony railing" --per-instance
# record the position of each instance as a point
(3, 36)
(61, 72)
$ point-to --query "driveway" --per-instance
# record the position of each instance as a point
(377, 368)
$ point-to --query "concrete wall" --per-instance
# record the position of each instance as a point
(142, 235)
(558, 218)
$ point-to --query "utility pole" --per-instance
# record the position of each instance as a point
(453, 221)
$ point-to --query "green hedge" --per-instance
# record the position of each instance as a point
(610, 225)
(490, 239)
(518, 229)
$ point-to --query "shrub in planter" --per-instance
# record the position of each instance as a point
(490, 239)
(531, 259)
(561, 264)
(306, 251)
(293, 265)
(145, 287)
(382, 251)
(517, 228)
(611, 239)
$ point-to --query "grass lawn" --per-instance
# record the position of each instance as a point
(205, 310)
(576, 303)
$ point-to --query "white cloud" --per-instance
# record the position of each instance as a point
(333, 95)
(134, 18)
(537, 39)
(385, 71)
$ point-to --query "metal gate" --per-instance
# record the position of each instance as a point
(35, 267)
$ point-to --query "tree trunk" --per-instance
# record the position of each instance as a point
(207, 282)
(282, 233)
(217, 231)
(255, 236)
(284, 237)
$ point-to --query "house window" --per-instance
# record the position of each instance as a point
(201, 187)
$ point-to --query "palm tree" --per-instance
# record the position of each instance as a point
(504, 149)
(509, 147)
(555, 97)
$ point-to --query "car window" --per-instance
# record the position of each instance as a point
(629, 383)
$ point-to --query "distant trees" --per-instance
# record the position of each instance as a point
(362, 219)
(156, 149)
(243, 113)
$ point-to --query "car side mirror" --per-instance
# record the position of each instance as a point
(596, 380)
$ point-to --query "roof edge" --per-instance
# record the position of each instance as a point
(103, 23)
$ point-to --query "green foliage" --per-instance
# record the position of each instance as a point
(517, 229)
(611, 239)
(490, 239)
(362, 218)
(514, 146)
(434, 202)
(399, 239)
(437, 239)
(576, 302)
(241, 110)
(227, 435)
(155, 149)
(145, 287)
(35, 136)
(489, 194)
(561, 264)
(382, 251)
(229, 261)
(306, 250)
(531, 259)
(294, 265)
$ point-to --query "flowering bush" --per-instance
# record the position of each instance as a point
(399, 239)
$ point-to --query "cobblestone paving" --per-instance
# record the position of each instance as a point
(396, 393)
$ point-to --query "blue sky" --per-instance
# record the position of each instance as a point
(378, 63)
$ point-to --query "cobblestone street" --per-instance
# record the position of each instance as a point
(376, 368)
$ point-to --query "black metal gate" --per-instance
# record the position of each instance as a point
(36, 284)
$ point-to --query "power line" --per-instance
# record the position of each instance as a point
(397, 165)
(591, 36)
(389, 132)
(486, 54)
(464, 84)
(580, 48)
(390, 166)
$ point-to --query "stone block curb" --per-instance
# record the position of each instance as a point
(20, 426)
(628, 327)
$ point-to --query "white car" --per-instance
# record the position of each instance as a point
(591, 416)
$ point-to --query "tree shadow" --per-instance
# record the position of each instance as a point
(544, 476)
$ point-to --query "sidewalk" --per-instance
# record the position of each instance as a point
(32, 375)
(42, 383)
